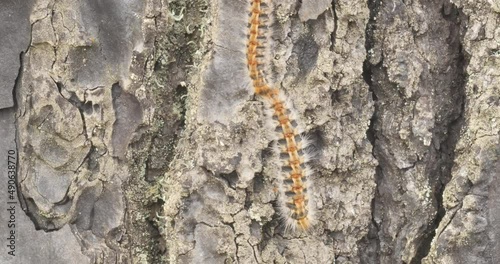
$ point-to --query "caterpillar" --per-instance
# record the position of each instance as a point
(295, 204)
(256, 48)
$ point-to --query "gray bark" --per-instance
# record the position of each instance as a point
(140, 139)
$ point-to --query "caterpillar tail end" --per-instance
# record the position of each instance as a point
(304, 224)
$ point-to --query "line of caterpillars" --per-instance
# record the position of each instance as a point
(295, 204)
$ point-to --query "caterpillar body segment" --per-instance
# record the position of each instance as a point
(292, 149)
(258, 39)
(294, 199)
(284, 123)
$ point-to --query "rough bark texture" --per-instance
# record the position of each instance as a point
(140, 139)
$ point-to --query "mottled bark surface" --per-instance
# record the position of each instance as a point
(140, 139)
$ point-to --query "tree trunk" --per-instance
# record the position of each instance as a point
(140, 138)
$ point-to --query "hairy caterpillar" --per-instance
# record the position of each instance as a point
(294, 200)
(256, 47)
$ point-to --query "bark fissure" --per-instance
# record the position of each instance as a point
(446, 152)
(17, 85)
(333, 35)
(15, 98)
(371, 242)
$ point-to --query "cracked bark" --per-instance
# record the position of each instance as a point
(138, 136)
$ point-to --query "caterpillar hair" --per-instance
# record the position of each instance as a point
(258, 42)
(292, 146)
(293, 149)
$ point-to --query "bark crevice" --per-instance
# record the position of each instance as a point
(447, 148)
(371, 242)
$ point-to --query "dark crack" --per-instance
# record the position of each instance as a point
(89, 158)
(371, 242)
(254, 251)
(15, 97)
(17, 86)
(52, 13)
(333, 35)
(81, 106)
(446, 152)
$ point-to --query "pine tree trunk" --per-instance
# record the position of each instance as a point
(140, 138)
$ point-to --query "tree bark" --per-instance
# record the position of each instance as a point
(140, 139)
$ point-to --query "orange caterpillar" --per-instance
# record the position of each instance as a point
(294, 201)
(256, 47)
